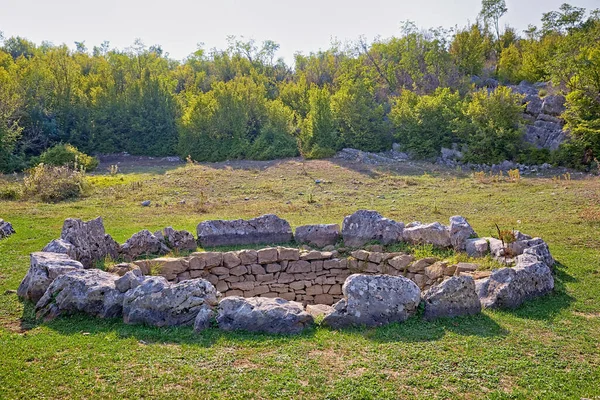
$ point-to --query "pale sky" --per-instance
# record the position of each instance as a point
(305, 26)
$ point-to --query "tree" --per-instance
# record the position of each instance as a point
(318, 136)
(468, 50)
(492, 11)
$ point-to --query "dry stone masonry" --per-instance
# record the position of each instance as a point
(281, 289)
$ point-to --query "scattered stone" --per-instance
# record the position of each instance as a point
(318, 235)
(460, 232)
(453, 297)
(434, 233)
(130, 280)
(156, 302)
(90, 241)
(90, 291)
(177, 240)
(477, 247)
(374, 300)
(62, 247)
(146, 203)
(43, 270)
(265, 229)
(143, 243)
(317, 310)
(6, 229)
(261, 314)
(364, 226)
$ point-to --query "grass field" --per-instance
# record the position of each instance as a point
(548, 348)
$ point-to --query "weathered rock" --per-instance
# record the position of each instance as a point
(453, 297)
(477, 247)
(261, 314)
(62, 247)
(401, 262)
(130, 280)
(44, 268)
(434, 233)
(374, 300)
(460, 232)
(318, 235)
(266, 229)
(90, 241)
(553, 105)
(204, 319)
(89, 291)
(6, 229)
(157, 302)
(542, 252)
(167, 267)
(510, 287)
(317, 310)
(177, 240)
(142, 243)
(364, 226)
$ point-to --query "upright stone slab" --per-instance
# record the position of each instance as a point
(262, 314)
(143, 243)
(177, 240)
(157, 302)
(91, 291)
(90, 241)
(374, 300)
(266, 229)
(43, 269)
(460, 232)
(318, 235)
(434, 233)
(61, 246)
(365, 225)
(451, 298)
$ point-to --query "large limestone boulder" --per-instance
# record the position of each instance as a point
(453, 297)
(90, 241)
(478, 247)
(177, 240)
(460, 232)
(89, 291)
(142, 243)
(318, 235)
(262, 314)
(6, 229)
(43, 269)
(510, 287)
(434, 233)
(266, 229)
(374, 300)
(157, 302)
(61, 246)
(365, 225)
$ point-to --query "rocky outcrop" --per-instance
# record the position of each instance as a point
(258, 314)
(434, 233)
(177, 240)
(44, 268)
(89, 240)
(266, 229)
(142, 243)
(91, 291)
(510, 287)
(453, 297)
(365, 226)
(6, 229)
(374, 300)
(157, 302)
(318, 235)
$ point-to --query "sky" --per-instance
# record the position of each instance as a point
(298, 26)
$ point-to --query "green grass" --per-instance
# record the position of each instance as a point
(548, 348)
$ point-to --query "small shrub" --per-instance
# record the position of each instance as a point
(10, 192)
(514, 175)
(52, 184)
(67, 155)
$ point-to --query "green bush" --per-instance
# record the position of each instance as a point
(67, 155)
(52, 184)
(318, 136)
(275, 139)
(9, 191)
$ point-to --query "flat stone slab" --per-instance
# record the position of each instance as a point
(266, 229)
(318, 235)
(451, 298)
(366, 225)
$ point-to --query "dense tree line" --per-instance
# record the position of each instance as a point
(242, 102)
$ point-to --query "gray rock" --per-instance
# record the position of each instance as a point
(374, 300)
(43, 269)
(6, 229)
(318, 235)
(89, 291)
(177, 240)
(510, 287)
(204, 319)
(266, 229)
(534, 104)
(146, 203)
(451, 154)
(434, 233)
(130, 280)
(157, 302)
(61, 246)
(142, 243)
(542, 252)
(554, 105)
(478, 247)
(365, 225)
(90, 241)
(460, 232)
(262, 314)
(453, 297)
